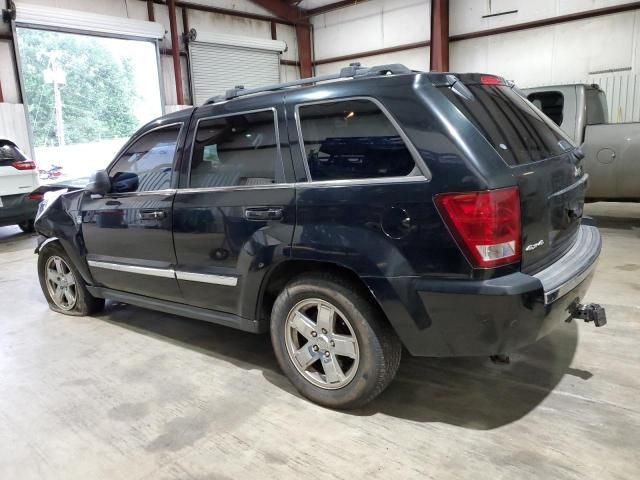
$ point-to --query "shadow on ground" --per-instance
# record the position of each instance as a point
(468, 392)
(13, 239)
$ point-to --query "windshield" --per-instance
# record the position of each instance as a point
(518, 131)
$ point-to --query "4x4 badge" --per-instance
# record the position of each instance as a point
(533, 246)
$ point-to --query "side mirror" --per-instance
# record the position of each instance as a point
(99, 183)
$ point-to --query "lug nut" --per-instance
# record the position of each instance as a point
(324, 331)
(314, 334)
(333, 344)
(315, 348)
(327, 354)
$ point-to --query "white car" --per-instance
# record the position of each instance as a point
(18, 179)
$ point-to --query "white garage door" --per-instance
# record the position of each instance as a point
(226, 62)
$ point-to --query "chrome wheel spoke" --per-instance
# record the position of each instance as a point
(58, 263)
(52, 274)
(344, 346)
(70, 279)
(332, 369)
(305, 356)
(326, 316)
(58, 294)
(69, 295)
(303, 325)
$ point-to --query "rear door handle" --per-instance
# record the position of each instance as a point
(262, 214)
(152, 214)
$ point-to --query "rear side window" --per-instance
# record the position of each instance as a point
(147, 164)
(509, 122)
(237, 150)
(10, 153)
(352, 139)
(550, 103)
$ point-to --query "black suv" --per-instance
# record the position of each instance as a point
(350, 215)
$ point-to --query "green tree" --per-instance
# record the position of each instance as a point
(98, 96)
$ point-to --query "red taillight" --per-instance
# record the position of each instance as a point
(486, 224)
(491, 80)
(36, 196)
(24, 165)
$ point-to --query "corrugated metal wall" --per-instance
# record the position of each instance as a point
(623, 95)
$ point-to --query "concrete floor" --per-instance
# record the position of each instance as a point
(137, 394)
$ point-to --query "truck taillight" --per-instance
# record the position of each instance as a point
(24, 165)
(486, 224)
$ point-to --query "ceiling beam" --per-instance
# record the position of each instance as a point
(312, 12)
(282, 10)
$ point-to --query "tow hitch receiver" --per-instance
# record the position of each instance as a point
(591, 312)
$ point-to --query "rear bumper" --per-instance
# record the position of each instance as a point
(17, 208)
(465, 318)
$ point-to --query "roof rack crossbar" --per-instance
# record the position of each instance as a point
(352, 71)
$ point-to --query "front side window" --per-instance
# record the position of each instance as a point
(352, 139)
(147, 164)
(237, 150)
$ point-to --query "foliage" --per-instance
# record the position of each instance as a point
(99, 94)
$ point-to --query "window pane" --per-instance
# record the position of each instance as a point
(147, 164)
(518, 133)
(236, 150)
(352, 140)
(550, 103)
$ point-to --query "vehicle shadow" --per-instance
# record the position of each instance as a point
(469, 392)
(13, 239)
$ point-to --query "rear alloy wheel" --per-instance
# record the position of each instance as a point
(321, 343)
(62, 285)
(332, 341)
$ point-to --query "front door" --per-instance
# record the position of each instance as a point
(128, 231)
(235, 217)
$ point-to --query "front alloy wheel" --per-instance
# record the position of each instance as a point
(321, 343)
(61, 283)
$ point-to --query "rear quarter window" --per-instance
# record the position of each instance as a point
(509, 122)
(352, 139)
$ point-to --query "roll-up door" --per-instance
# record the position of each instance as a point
(221, 62)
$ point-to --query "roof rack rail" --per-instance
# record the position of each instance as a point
(354, 70)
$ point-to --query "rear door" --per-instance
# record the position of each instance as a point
(550, 177)
(128, 231)
(235, 216)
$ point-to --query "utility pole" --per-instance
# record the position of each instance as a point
(57, 77)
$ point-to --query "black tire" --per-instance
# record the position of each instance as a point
(85, 303)
(379, 349)
(27, 226)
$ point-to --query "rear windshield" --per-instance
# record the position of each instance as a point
(9, 153)
(517, 130)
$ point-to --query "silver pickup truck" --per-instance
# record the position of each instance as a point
(612, 150)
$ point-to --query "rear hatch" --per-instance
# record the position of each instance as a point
(542, 159)
(18, 175)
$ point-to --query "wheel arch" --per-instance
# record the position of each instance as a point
(286, 271)
(78, 261)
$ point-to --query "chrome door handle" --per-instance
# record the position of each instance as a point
(262, 214)
(153, 214)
